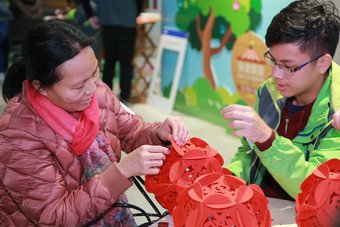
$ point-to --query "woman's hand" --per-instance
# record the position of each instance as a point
(173, 128)
(145, 160)
(247, 123)
(336, 120)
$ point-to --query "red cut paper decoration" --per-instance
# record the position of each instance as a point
(181, 168)
(318, 204)
(198, 191)
(221, 200)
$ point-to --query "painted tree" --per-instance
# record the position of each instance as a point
(224, 20)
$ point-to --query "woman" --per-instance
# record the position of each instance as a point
(61, 136)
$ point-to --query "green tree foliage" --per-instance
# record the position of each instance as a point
(246, 17)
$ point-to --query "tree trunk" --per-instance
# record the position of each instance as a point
(206, 39)
(207, 52)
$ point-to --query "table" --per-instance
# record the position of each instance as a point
(145, 49)
(282, 213)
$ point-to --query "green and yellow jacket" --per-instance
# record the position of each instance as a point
(291, 161)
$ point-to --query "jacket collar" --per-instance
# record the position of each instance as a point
(327, 101)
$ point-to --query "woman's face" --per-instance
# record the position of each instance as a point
(75, 90)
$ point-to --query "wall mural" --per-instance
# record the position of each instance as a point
(224, 62)
(249, 67)
(225, 20)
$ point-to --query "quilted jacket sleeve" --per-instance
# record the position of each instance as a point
(131, 130)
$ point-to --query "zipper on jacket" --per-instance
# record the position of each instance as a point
(251, 145)
(249, 170)
(286, 126)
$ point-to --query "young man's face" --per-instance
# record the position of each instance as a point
(305, 83)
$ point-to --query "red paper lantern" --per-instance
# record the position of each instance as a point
(180, 169)
(221, 200)
(318, 204)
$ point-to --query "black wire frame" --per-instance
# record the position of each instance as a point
(139, 182)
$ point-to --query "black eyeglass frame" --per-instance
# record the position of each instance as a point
(282, 67)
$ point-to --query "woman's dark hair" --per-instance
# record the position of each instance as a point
(44, 48)
(311, 24)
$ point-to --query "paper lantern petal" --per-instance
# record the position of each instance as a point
(198, 142)
(321, 172)
(176, 170)
(244, 194)
(243, 216)
(218, 201)
(322, 193)
(193, 218)
(195, 154)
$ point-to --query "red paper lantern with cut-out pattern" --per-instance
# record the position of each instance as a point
(217, 200)
(318, 204)
(180, 169)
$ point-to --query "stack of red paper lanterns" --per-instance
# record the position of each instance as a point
(180, 169)
(198, 191)
(318, 204)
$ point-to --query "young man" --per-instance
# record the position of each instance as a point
(289, 133)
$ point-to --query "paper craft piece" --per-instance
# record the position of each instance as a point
(181, 168)
(221, 200)
(318, 204)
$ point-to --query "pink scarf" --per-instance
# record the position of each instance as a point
(78, 133)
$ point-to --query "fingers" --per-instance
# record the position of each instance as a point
(149, 167)
(336, 120)
(155, 150)
(336, 124)
(146, 159)
(174, 128)
(239, 112)
(151, 160)
(237, 124)
(152, 171)
(183, 139)
(179, 132)
(246, 122)
(235, 107)
(243, 133)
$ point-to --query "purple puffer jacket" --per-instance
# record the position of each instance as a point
(40, 178)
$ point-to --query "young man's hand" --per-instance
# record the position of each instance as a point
(246, 123)
(336, 120)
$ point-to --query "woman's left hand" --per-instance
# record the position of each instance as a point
(173, 128)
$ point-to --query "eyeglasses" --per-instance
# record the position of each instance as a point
(284, 69)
